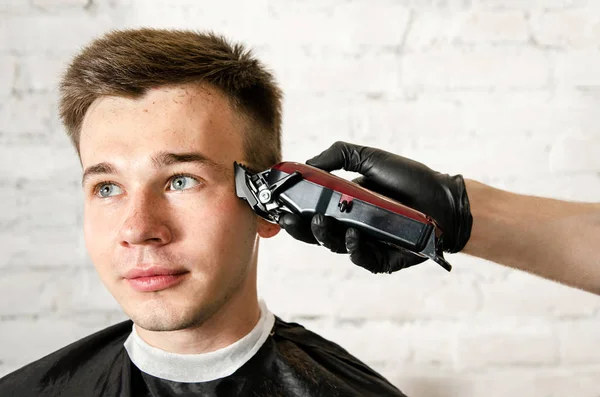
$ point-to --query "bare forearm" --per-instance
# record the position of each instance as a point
(555, 239)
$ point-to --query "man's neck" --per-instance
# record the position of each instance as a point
(231, 322)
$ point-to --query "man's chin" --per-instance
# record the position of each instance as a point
(160, 315)
(162, 322)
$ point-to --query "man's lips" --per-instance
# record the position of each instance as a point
(151, 271)
(154, 278)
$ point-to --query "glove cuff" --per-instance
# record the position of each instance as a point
(464, 218)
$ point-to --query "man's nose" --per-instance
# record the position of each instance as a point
(146, 221)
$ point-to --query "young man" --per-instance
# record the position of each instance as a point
(158, 118)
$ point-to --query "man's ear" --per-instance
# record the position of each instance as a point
(267, 229)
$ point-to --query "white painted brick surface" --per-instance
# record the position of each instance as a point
(573, 28)
(40, 163)
(505, 91)
(28, 293)
(396, 349)
(579, 68)
(576, 152)
(498, 383)
(436, 29)
(38, 73)
(47, 33)
(53, 5)
(505, 344)
(531, 296)
(8, 69)
(476, 69)
(579, 340)
(54, 247)
(535, 5)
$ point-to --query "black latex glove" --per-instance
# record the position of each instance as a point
(441, 196)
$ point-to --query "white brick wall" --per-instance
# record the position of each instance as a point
(504, 91)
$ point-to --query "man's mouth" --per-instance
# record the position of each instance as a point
(154, 278)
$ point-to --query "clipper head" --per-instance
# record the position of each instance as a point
(245, 189)
(261, 193)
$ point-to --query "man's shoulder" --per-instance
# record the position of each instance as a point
(310, 352)
(310, 341)
(71, 363)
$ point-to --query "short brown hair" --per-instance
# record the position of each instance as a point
(129, 62)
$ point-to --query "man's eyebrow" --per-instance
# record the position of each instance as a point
(165, 159)
(160, 160)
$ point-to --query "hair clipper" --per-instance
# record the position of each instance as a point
(306, 190)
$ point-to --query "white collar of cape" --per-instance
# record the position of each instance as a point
(204, 367)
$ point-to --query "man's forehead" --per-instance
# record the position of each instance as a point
(165, 117)
(182, 98)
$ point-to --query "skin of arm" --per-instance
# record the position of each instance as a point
(554, 239)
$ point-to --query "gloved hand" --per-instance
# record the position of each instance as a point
(441, 196)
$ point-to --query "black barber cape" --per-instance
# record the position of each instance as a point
(292, 361)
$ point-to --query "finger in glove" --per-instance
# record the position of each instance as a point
(376, 256)
(297, 227)
(329, 232)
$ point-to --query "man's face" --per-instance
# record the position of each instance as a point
(170, 249)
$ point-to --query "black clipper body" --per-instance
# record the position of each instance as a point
(305, 190)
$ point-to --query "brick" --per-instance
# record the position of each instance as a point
(532, 4)
(366, 74)
(568, 28)
(521, 381)
(505, 344)
(26, 340)
(522, 295)
(483, 156)
(39, 73)
(296, 292)
(43, 248)
(451, 119)
(314, 258)
(404, 123)
(576, 340)
(30, 34)
(422, 292)
(86, 293)
(28, 292)
(198, 16)
(28, 118)
(433, 343)
(386, 342)
(40, 206)
(449, 68)
(8, 67)
(576, 151)
(51, 5)
(434, 29)
(116, 317)
(378, 26)
(15, 7)
(528, 114)
(306, 123)
(579, 69)
(38, 163)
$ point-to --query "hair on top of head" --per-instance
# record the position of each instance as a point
(129, 62)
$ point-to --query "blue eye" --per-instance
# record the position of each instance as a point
(179, 180)
(102, 188)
